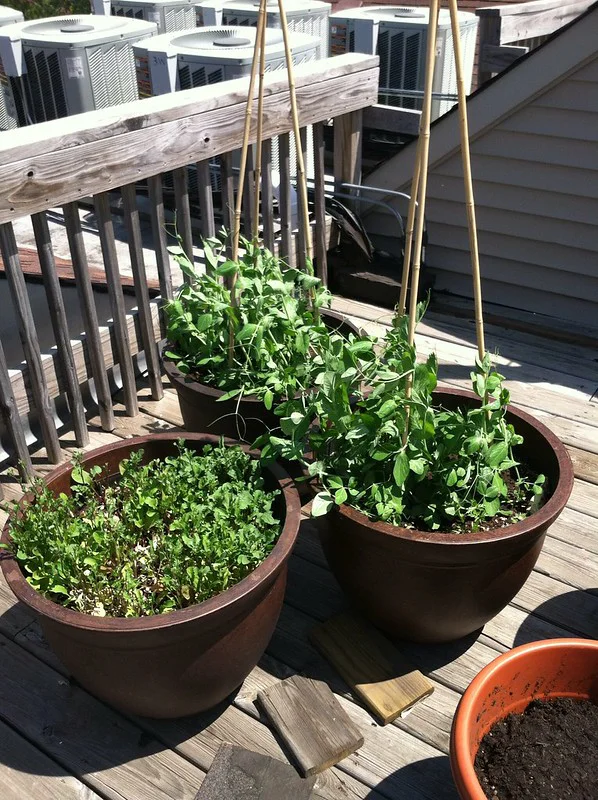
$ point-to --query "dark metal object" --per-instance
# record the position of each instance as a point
(168, 665)
(244, 419)
(437, 587)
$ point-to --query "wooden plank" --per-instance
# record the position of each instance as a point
(267, 195)
(150, 348)
(284, 199)
(93, 341)
(183, 227)
(239, 774)
(570, 564)
(25, 772)
(96, 155)
(584, 499)
(301, 145)
(29, 340)
(311, 723)
(529, 25)
(85, 736)
(348, 133)
(248, 209)
(375, 670)
(392, 120)
(488, 36)
(159, 235)
(206, 204)
(117, 304)
(585, 464)
(320, 249)
(60, 326)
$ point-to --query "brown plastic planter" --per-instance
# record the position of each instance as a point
(202, 412)
(179, 663)
(437, 587)
(551, 668)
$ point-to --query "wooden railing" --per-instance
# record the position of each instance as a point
(93, 155)
(508, 32)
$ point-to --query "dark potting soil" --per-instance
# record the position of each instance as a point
(549, 752)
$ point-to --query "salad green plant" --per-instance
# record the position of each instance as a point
(165, 535)
(456, 470)
(274, 319)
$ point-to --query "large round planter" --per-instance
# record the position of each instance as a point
(244, 419)
(437, 587)
(550, 668)
(174, 664)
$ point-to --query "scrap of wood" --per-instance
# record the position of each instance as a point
(311, 721)
(371, 666)
(239, 774)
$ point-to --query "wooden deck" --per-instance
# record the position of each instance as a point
(59, 743)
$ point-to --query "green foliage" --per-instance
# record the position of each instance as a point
(164, 536)
(37, 9)
(276, 332)
(453, 471)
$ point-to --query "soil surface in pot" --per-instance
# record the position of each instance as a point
(549, 752)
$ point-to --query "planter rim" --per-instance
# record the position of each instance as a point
(544, 516)
(465, 710)
(78, 619)
(176, 376)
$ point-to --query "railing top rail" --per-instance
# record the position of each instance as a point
(56, 162)
(530, 7)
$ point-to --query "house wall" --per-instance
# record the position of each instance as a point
(534, 145)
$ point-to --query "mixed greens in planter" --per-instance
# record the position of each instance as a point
(163, 536)
(454, 471)
(273, 316)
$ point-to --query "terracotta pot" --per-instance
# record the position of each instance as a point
(437, 587)
(168, 665)
(551, 668)
(202, 412)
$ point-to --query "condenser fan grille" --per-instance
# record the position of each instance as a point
(79, 26)
(224, 39)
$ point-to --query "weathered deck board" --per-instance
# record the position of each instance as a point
(106, 755)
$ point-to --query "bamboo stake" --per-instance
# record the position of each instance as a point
(468, 183)
(424, 147)
(239, 201)
(246, 134)
(260, 125)
(301, 177)
(402, 304)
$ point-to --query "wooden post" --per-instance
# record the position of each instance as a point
(320, 204)
(284, 199)
(159, 236)
(348, 132)
(183, 213)
(117, 302)
(60, 326)
(148, 337)
(10, 416)
(206, 202)
(258, 142)
(267, 195)
(28, 334)
(488, 35)
(74, 233)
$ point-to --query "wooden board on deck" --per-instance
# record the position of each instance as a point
(239, 774)
(311, 722)
(375, 670)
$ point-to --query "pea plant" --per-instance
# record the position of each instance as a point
(274, 320)
(165, 535)
(455, 471)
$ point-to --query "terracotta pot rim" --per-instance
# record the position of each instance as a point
(178, 377)
(464, 774)
(535, 522)
(261, 574)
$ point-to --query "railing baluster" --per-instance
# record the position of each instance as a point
(159, 235)
(28, 334)
(284, 199)
(60, 326)
(267, 198)
(117, 302)
(321, 264)
(227, 189)
(89, 313)
(141, 290)
(12, 420)
(183, 213)
(206, 203)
